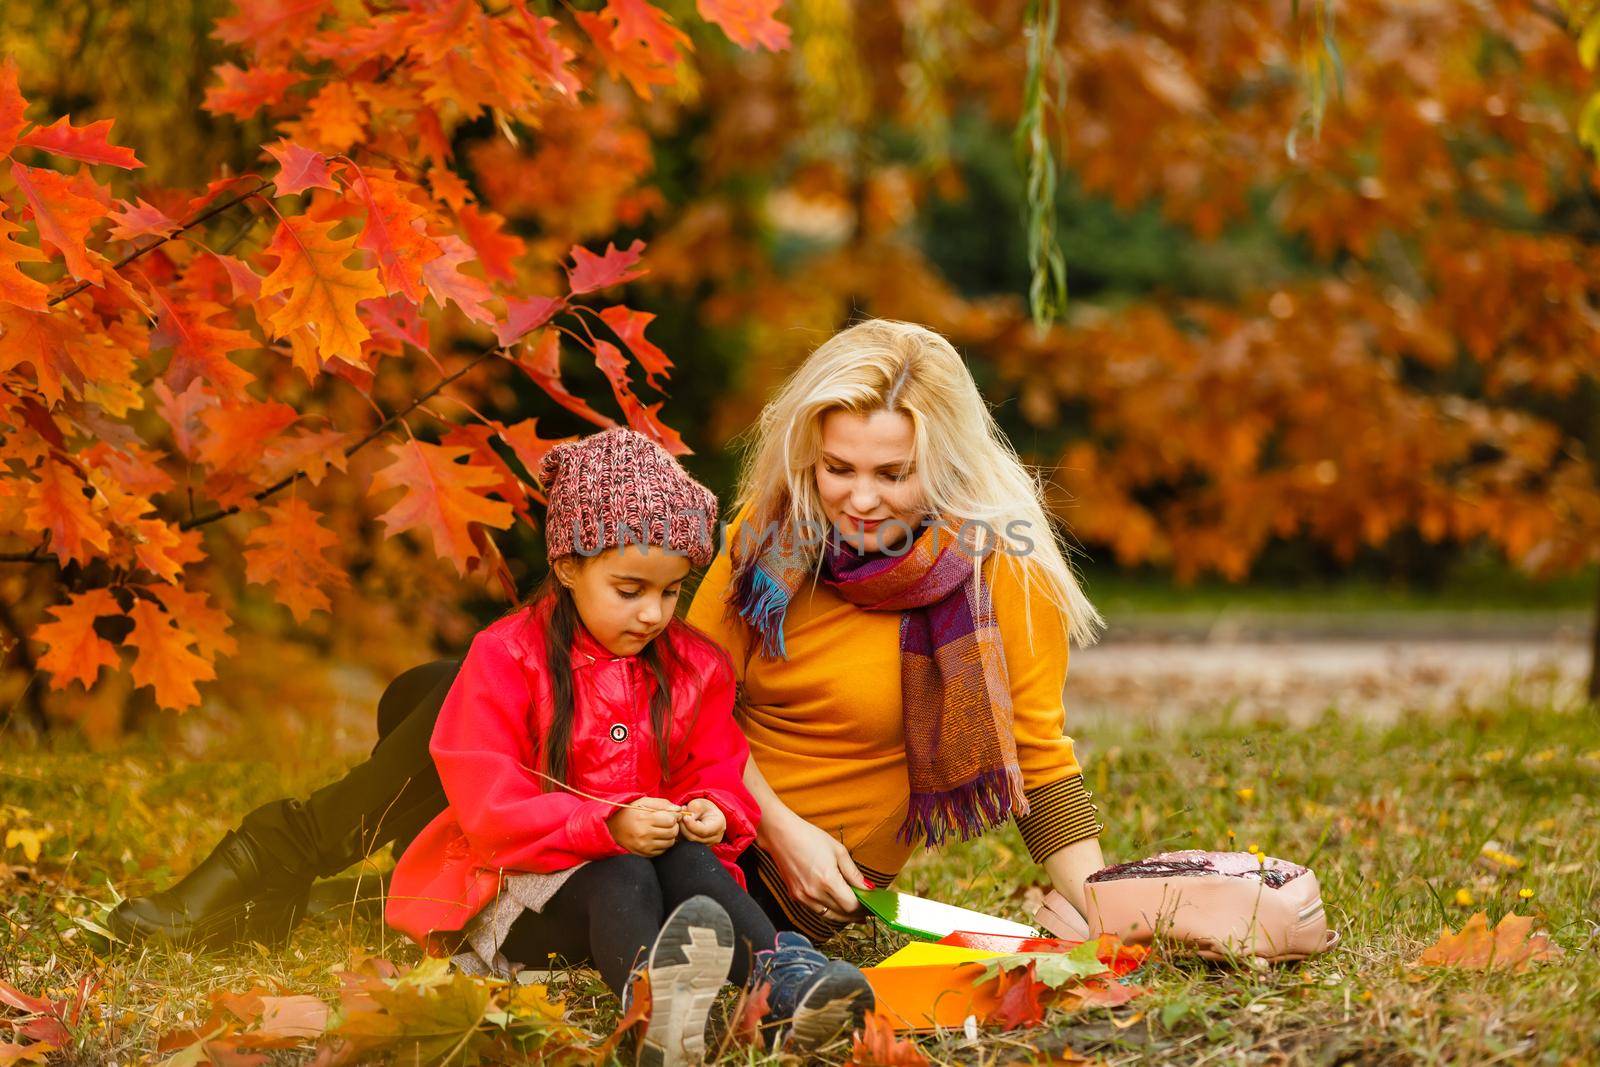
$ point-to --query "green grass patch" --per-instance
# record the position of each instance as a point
(1392, 818)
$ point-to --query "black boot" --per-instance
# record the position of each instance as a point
(237, 893)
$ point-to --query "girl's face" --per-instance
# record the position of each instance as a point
(864, 477)
(625, 595)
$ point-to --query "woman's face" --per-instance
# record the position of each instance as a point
(864, 477)
(625, 595)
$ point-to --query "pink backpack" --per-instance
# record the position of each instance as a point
(1221, 903)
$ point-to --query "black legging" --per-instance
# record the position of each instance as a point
(394, 793)
(610, 911)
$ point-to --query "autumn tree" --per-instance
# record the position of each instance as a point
(260, 385)
(1425, 362)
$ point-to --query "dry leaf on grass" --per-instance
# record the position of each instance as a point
(1510, 946)
(875, 1045)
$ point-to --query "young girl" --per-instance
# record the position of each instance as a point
(594, 773)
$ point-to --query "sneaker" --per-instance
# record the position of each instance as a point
(688, 966)
(812, 999)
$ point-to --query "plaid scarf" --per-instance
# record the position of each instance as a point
(961, 755)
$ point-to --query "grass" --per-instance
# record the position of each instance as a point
(1392, 819)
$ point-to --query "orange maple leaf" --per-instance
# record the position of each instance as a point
(62, 510)
(876, 1045)
(446, 282)
(629, 326)
(193, 611)
(15, 286)
(747, 23)
(590, 272)
(486, 233)
(200, 347)
(442, 495)
(1510, 946)
(74, 651)
(235, 433)
(12, 106)
(164, 661)
(90, 143)
(394, 232)
(244, 92)
(286, 552)
(323, 292)
(65, 209)
(299, 168)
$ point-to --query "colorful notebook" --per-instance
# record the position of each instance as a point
(930, 920)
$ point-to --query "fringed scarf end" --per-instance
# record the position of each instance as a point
(763, 603)
(966, 811)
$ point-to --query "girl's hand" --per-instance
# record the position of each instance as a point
(816, 868)
(648, 832)
(704, 822)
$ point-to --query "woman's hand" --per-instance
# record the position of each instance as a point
(704, 822)
(648, 827)
(1068, 867)
(816, 868)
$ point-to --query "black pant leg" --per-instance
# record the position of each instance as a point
(688, 869)
(389, 797)
(608, 913)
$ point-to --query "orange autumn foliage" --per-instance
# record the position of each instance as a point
(195, 384)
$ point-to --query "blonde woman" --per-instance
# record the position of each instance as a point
(898, 611)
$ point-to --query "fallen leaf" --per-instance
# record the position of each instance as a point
(1511, 945)
(1020, 1006)
(876, 1045)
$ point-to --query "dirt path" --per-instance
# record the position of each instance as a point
(1299, 677)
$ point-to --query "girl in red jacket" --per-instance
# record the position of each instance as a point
(594, 773)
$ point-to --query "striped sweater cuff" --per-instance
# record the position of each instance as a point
(1060, 813)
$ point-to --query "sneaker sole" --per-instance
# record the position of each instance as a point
(839, 1000)
(688, 968)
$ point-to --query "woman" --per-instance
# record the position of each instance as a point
(888, 542)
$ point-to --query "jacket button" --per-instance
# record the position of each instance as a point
(619, 732)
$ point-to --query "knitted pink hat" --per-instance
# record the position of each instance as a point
(619, 487)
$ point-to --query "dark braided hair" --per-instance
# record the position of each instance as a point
(559, 634)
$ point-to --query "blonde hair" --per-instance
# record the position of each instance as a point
(969, 471)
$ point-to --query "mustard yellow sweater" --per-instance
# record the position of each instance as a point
(826, 724)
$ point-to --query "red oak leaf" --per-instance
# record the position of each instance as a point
(486, 234)
(165, 661)
(139, 219)
(300, 168)
(629, 325)
(12, 106)
(444, 281)
(525, 316)
(15, 286)
(65, 209)
(286, 552)
(68, 515)
(747, 23)
(323, 292)
(200, 347)
(590, 272)
(1019, 999)
(541, 361)
(394, 232)
(244, 92)
(90, 143)
(441, 495)
(74, 651)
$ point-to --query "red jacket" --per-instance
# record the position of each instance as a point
(501, 817)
